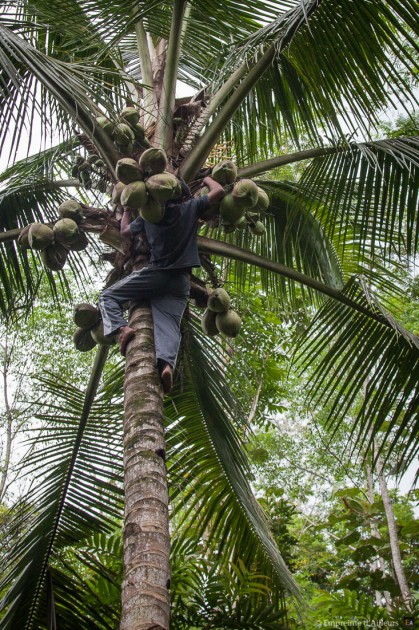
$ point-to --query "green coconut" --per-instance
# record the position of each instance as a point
(83, 340)
(40, 236)
(162, 186)
(123, 134)
(258, 229)
(99, 337)
(80, 242)
(128, 170)
(105, 123)
(178, 190)
(230, 210)
(54, 256)
(245, 193)
(224, 172)
(219, 301)
(139, 131)
(23, 238)
(208, 323)
(241, 224)
(71, 209)
(134, 195)
(131, 115)
(263, 201)
(153, 161)
(125, 149)
(66, 231)
(116, 192)
(85, 315)
(152, 211)
(228, 323)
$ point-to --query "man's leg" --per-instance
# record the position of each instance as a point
(138, 285)
(167, 315)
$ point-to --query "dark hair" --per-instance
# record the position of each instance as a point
(185, 188)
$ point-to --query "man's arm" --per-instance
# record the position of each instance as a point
(216, 191)
(125, 224)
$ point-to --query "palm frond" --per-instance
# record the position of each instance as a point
(326, 61)
(371, 365)
(78, 492)
(35, 84)
(209, 473)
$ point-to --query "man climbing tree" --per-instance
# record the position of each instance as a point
(165, 282)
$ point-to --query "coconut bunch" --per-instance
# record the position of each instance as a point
(89, 331)
(244, 204)
(88, 169)
(54, 243)
(127, 133)
(145, 185)
(219, 317)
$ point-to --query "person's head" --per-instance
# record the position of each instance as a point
(185, 193)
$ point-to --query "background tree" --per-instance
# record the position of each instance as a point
(290, 67)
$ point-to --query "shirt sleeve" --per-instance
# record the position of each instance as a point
(137, 226)
(200, 205)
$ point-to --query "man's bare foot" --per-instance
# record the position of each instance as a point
(166, 378)
(124, 336)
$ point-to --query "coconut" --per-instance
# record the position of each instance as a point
(79, 243)
(23, 238)
(131, 115)
(162, 186)
(258, 229)
(128, 170)
(40, 236)
(152, 211)
(219, 301)
(85, 315)
(245, 193)
(54, 256)
(99, 337)
(83, 340)
(153, 161)
(241, 224)
(228, 323)
(208, 323)
(116, 192)
(66, 231)
(225, 172)
(139, 131)
(123, 134)
(105, 123)
(263, 201)
(134, 195)
(71, 209)
(230, 210)
(178, 189)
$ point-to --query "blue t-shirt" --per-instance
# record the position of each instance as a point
(173, 241)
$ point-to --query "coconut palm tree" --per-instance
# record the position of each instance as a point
(312, 74)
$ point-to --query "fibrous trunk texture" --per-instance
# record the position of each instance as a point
(145, 596)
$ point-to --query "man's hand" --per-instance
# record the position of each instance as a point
(216, 191)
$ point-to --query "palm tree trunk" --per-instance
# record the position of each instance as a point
(145, 596)
(394, 539)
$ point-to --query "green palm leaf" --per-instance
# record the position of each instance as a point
(209, 474)
(79, 492)
(371, 365)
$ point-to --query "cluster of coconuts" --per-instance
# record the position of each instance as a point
(145, 185)
(127, 131)
(244, 204)
(89, 331)
(219, 317)
(84, 169)
(54, 243)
